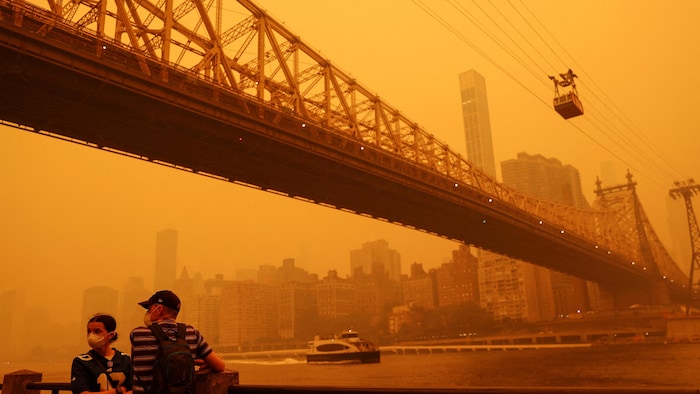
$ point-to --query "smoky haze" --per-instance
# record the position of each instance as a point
(75, 217)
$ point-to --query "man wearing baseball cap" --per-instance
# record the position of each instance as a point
(162, 309)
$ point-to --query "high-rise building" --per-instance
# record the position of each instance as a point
(375, 258)
(457, 281)
(419, 289)
(248, 312)
(477, 123)
(548, 179)
(336, 296)
(544, 178)
(203, 313)
(12, 311)
(166, 260)
(288, 272)
(509, 288)
(298, 307)
(131, 313)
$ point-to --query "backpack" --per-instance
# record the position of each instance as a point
(174, 368)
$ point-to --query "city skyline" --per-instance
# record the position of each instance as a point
(121, 299)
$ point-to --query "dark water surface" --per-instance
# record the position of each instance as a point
(620, 366)
(628, 366)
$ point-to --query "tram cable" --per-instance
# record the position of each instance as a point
(617, 112)
(627, 144)
(454, 31)
(624, 143)
(464, 12)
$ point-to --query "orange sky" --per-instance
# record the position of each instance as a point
(75, 217)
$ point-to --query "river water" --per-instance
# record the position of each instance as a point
(627, 366)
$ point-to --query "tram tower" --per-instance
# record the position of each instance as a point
(687, 189)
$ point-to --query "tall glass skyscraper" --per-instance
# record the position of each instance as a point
(375, 257)
(477, 124)
(166, 260)
(549, 179)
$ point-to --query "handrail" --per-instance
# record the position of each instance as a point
(255, 389)
(54, 387)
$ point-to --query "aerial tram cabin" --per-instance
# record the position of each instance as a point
(567, 104)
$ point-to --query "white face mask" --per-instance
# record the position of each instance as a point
(97, 341)
(147, 319)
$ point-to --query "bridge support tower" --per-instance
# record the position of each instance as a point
(686, 190)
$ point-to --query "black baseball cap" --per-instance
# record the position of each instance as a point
(163, 297)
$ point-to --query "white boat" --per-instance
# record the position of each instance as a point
(347, 348)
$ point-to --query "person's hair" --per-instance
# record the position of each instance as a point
(108, 321)
(170, 311)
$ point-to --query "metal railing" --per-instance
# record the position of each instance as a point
(47, 386)
(255, 389)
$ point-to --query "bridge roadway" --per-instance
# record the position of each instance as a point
(71, 85)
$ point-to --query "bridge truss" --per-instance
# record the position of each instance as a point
(631, 223)
(249, 54)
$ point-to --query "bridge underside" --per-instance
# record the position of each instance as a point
(196, 126)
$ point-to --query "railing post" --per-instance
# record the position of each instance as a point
(16, 382)
(213, 382)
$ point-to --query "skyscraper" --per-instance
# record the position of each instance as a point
(12, 311)
(166, 260)
(512, 289)
(544, 178)
(477, 124)
(133, 292)
(549, 179)
(375, 258)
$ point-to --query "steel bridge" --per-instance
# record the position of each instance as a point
(246, 101)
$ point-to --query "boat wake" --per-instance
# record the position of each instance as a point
(285, 361)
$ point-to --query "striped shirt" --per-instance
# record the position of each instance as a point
(144, 349)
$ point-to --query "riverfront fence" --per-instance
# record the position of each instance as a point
(29, 382)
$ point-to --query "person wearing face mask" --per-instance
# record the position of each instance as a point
(162, 309)
(103, 369)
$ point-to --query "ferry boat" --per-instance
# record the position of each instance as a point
(346, 348)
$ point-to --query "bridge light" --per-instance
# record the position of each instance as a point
(644, 268)
(362, 148)
(483, 221)
(456, 185)
(490, 200)
(633, 263)
(562, 231)
(540, 222)
(104, 47)
(303, 125)
(596, 246)
(609, 252)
